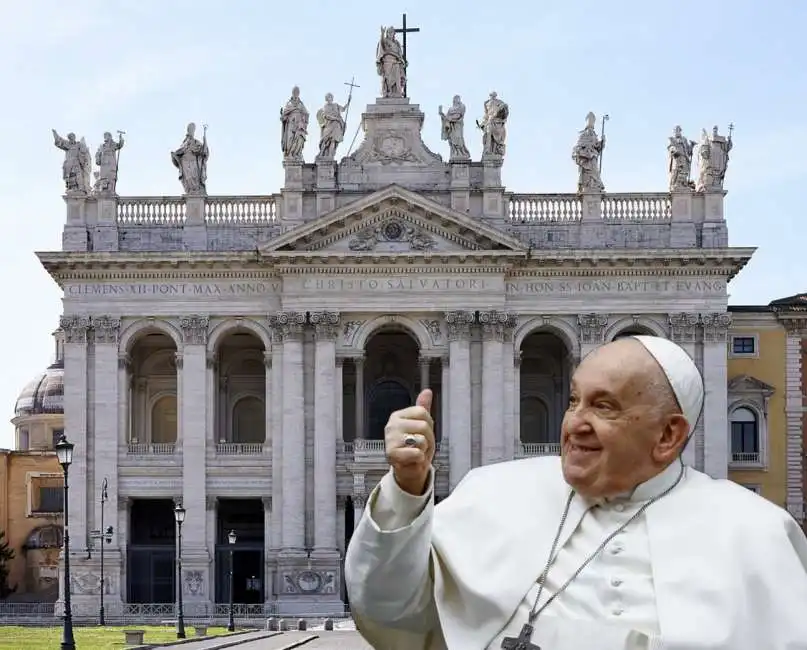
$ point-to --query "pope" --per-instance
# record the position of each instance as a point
(616, 545)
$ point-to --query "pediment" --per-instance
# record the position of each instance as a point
(392, 221)
(748, 384)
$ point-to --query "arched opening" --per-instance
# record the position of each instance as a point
(545, 373)
(241, 380)
(153, 393)
(744, 435)
(635, 330)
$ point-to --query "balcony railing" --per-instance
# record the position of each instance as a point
(746, 458)
(370, 448)
(242, 449)
(539, 449)
(568, 208)
(151, 449)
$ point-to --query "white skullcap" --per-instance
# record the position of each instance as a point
(682, 374)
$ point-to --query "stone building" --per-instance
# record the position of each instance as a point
(31, 486)
(241, 354)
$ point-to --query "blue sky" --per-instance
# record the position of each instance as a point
(151, 66)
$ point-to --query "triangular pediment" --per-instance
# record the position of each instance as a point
(748, 384)
(394, 220)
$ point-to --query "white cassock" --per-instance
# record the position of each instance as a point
(710, 566)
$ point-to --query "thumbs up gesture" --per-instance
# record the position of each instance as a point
(409, 440)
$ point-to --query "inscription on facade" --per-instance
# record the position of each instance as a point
(398, 283)
(174, 289)
(538, 286)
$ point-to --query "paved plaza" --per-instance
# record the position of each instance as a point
(337, 640)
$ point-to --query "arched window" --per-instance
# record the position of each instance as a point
(534, 420)
(744, 435)
(249, 420)
(387, 397)
(164, 420)
(633, 331)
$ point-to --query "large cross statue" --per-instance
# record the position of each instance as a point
(522, 642)
(405, 30)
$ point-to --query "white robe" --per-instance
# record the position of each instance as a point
(727, 569)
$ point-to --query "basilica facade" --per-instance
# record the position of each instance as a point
(240, 355)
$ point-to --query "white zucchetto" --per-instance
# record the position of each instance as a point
(682, 374)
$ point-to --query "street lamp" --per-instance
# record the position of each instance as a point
(64, 453)
(231, 538)
(179, 516)
(106, 536)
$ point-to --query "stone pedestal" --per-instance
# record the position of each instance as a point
(493, 204)
(682, 227)
(292, 195)
(460, 185)
(75, 236)
(308, 586)
(326, 185)
(194, 232)
(591, 220)
(715, 233)
(85, 578)
(105, 231)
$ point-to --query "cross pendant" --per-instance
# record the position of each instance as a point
(522, 642)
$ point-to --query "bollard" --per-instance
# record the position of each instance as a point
(329, 625)
(283, 625)
(301, 625)
(271, 625)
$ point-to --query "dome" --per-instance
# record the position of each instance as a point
(45, 394)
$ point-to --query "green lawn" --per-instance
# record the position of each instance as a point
(87, 638)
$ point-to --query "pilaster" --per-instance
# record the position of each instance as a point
(458, 327)
(512, 390)
(715, 379)
(684, 331)
(194, 231)
(277, 440)
(460, 185)
(288, 326)
(75, 234)
(493, 205)
(292, 195)
(76, 330)
(493, 432)
(105, 404)
(105, 232)
(193, 403)
(326, 186)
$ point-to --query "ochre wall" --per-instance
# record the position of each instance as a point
(768, 367)
(14, 520)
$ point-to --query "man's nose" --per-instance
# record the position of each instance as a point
(576, 421)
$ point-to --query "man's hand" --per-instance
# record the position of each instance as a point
(411, 463)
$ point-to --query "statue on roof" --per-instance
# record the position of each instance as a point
(107, 160)
(294, 127)
(453, 129)
(679, 161)
(77, 165)
(713, 153)
(332, 127)
(494, 126)
(390, 64)
(586, 155)
(191, 161)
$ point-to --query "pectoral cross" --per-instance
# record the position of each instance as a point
(522, 642)
(405, 30)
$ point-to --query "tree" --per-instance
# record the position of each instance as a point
(6, 555)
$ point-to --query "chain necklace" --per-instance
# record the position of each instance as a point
(523, 640)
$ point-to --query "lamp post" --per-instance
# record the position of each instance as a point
(231, 538)
(179, 516)
(64, 453)
(104, 538)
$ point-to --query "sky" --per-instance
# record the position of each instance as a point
(150, 67)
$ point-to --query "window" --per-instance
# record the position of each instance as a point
(387, 397)
(744, 346)
(164, 420)
(534, 420)
(249, 421)
(23, 440)
(51, 499)
(744, 436)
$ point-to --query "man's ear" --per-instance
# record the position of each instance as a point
(673, 439)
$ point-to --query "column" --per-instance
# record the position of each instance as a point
(192, 390)
(277, 438)
(290, 325)
(124, 398)
(459, 349)
(268, 563)
(358, 364)
(211, 364)
(715, 379)
(359, 501)
(794, 413)
(493, 393)
(445, 404)
(108, 389)
(339, 389)
(591, 329)
(75, 420)
(517, 400)
(326, 328)
(267, 398)
(684, 331)
(425, 365)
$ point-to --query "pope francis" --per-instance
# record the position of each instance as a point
(616, 545)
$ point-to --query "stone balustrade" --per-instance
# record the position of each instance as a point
(568, 208)
(151, 449)
(538, 449)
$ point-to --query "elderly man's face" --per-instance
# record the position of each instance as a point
(622, 426)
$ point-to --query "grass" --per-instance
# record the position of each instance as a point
(88, 638)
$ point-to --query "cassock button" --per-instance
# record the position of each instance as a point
(615, 582)
(619, 507)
